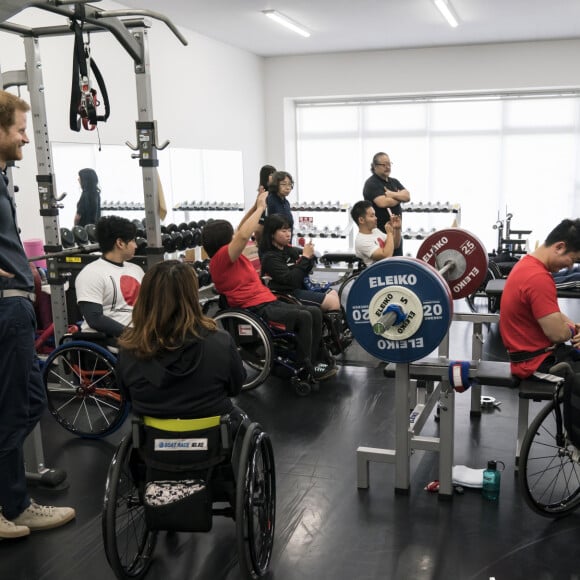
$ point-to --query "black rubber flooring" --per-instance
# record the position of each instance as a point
(326, 528)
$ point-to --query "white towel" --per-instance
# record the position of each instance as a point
(466, 476)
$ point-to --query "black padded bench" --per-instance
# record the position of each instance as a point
(494, 288)
(490, 373)
(337, 257)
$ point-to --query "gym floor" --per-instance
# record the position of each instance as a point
(326, 528)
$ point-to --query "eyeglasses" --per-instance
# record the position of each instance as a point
(384, 164)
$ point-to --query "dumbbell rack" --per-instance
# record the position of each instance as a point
(323, 209)
(429, 208)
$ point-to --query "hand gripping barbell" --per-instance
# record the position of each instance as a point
(400, 309)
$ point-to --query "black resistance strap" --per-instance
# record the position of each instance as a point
(83, 98)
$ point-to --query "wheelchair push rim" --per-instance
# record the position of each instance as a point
(128, 542)
(253, 341)
(82, 389)
(255, 503)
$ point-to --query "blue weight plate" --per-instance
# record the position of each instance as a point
(416, 277)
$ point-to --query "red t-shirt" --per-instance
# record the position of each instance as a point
(238, 281)
(529, 294)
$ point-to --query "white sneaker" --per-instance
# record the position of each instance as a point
(44, 517)
(10, 530)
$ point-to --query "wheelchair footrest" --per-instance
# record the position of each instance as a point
(180, 505)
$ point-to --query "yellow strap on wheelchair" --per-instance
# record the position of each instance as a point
(182, 424)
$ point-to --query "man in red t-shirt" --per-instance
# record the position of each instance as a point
(234, 276)
(531, 323)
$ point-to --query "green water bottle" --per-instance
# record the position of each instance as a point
(491, 481)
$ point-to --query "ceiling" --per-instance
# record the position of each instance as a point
(353, 25)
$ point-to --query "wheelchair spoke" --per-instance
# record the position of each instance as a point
(81, 389)
(549, 473)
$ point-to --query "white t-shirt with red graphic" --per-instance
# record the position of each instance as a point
(114, 286)
(365, 245)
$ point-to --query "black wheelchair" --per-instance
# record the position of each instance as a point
(269, 348)
(549, 472)
(82, 387)
(175, 475)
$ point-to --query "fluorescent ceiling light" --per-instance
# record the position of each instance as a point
(287, 22)
(445, 8)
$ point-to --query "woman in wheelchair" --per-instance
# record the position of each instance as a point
(289, 270)
(173, 361)
(235, 278)
(288, 266)
(192, 455)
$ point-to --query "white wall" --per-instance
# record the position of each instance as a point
(525, 65)
(207, 95)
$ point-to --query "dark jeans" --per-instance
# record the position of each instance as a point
(22, 399)
(305, 321)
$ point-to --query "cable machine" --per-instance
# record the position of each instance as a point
(131, 33)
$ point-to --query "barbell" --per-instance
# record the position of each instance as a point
(400, 309)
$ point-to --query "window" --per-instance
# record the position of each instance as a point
(492, 154)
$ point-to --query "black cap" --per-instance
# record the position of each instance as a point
(492, 465)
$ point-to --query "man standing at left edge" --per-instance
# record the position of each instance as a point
(22, 395)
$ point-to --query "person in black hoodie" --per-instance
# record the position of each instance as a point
(174, 362)
(289, 267)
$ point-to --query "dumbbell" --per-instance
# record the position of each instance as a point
(196, 238)
(80, 235)
(167, 243)
(67, 238)
(141, 245)
(177, 238)
(92, 233)
(187, 238)
(203, 278)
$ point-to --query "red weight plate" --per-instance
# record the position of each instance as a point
(461, 249)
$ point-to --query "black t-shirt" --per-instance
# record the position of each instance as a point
(375, 186)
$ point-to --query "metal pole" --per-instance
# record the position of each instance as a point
(45, 181)
(147, 149)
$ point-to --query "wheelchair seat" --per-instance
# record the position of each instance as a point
(175, 475)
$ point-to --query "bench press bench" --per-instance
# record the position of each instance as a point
(490, 373)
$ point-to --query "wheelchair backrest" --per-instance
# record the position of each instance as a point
(179, 445)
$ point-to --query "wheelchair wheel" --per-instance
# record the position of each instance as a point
(253, 341)
(255, 503)
(345, 286)
(128, 542)
(549, 473)
(82, 389)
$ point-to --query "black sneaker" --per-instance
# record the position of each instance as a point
(323, 371)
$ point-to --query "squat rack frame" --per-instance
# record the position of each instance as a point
(132, 35)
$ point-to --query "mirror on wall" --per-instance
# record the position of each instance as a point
(191, 178)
